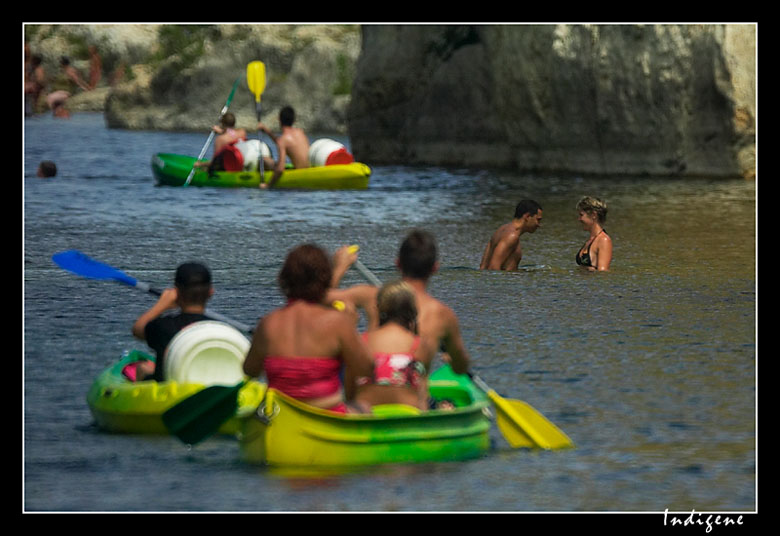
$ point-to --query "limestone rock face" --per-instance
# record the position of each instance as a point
(180, 76)
(307, 67)
(676, 100)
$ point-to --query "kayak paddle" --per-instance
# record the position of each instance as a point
(520, 423)
(199, 416)
(364, 271)
(80, 264)
(211, 135)
(255, 76)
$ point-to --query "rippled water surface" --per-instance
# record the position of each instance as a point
(650, 369)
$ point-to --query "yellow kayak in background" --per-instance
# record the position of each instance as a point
(173, 170)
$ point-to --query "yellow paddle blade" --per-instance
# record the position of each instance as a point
(523, 426)
(255, 76)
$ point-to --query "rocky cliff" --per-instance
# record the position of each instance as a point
(676, 100)
(670, 100)
(180, 76)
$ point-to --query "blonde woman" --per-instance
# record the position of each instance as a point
(596, 253)
(402, 358)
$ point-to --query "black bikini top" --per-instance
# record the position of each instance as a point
(583, 259)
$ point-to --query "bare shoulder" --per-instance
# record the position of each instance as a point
(438, 310)
(603, 240)
(509, 233)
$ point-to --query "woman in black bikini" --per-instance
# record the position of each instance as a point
(596, 253)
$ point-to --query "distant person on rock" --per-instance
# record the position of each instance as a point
(34, 83)
(95, 67)
(56, 100)
(63, 87)
(292, 143)
(503, 250)
(72, 78)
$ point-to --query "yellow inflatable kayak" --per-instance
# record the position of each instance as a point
(173, 170)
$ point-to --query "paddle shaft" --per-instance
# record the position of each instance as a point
(503, 405)
(80, 264)
(211, 135)
(255, 73)
(365, 272)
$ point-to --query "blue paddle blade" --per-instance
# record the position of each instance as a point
(80, 264)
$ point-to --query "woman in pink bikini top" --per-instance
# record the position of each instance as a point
(401, 357)
(303, 346)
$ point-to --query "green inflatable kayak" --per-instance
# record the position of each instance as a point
(120, 405)
(173, 170)
(285, 432)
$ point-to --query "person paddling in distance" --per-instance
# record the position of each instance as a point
(503, 250)
(596, 253)
(159, 324)
(226, 134)
(292, 143)
(303, 346)
(402, 358)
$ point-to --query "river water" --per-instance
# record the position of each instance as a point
(650, 368)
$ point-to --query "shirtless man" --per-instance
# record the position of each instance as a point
(503, 251)
(72, 76)
(417, 263)
(292, 142)
(436, 321)
(34, 82)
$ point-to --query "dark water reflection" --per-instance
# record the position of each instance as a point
(649, 368)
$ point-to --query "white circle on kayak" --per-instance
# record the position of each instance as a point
(207, 353)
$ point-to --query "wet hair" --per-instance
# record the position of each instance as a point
(417, 255)
(396, 302)
(228, 119)
(47, 168)
(193, 283)
(287, 116)
(306, 274)
(527, 206)
(595, 206)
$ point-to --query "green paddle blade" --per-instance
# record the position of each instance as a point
(200, 416)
